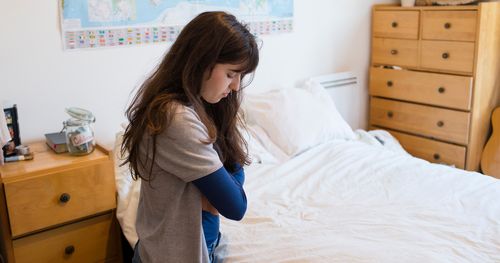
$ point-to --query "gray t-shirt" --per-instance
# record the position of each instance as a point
(169, 214)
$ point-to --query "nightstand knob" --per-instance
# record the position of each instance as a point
(447, 25)
(440, 124)
(64, 198)
(394, 24)
(445, 55)
(394, 52)
(436, 156)
(69, 250)
(390, 114)
(441, 89)
(389, 83)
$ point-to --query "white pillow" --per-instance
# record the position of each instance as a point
(297, 119)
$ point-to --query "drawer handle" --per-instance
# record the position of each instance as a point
(447, 25)
(389, 83)
(440, 123)
(394, 24)
(441, 89)
(69, 250)
(390, 114)
(445, 55)
(64, 198)
(394, 52)
(436, 156)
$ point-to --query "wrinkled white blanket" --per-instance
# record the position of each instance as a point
(358, 202)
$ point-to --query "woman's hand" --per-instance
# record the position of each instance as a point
(206, 206)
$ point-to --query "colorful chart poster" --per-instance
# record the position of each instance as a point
(88, 24)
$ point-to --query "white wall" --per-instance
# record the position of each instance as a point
(42, 79)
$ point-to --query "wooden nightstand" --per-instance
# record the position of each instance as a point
(438, 103)
(59, 208)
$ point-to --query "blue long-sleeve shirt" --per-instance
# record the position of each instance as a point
(225, 192)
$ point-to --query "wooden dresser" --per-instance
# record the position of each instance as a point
(59, 208)
(435, 78)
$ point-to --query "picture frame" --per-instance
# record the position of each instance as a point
(13, 126)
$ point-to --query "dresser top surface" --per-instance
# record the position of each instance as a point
(429, 8)
(46, 161)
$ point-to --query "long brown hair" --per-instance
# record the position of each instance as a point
(209, 39)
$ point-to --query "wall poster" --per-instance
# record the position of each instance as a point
(90, 24)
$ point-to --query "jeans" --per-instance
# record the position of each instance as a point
(211, 249)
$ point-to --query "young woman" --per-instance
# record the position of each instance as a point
(183, 141)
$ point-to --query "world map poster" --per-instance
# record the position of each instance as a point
(90, 24)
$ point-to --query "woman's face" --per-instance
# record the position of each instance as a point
(224, 79)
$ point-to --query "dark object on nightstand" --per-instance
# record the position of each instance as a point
(13, 125)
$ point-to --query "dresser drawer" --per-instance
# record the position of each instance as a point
(448, 56)
(432, 151)
(92, 240)
(449, 25)
(436, 89)
(56, 198)
(447, 125)
(399, 52)
(396, 24)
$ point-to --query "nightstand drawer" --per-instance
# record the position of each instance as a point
(92, 240)
(443, 124)
(397, 52)
(432, 151)
(436, 89)
(449, 25)
(448, 56)
(44, 201)
(396, 24)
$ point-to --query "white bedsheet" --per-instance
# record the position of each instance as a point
(349, 201)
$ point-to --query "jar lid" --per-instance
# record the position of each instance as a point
(80, 114)
(75, 123)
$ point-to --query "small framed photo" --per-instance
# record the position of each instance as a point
(13, 125)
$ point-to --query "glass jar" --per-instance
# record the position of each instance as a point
(79, 131)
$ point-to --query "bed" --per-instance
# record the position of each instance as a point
(320, 192)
